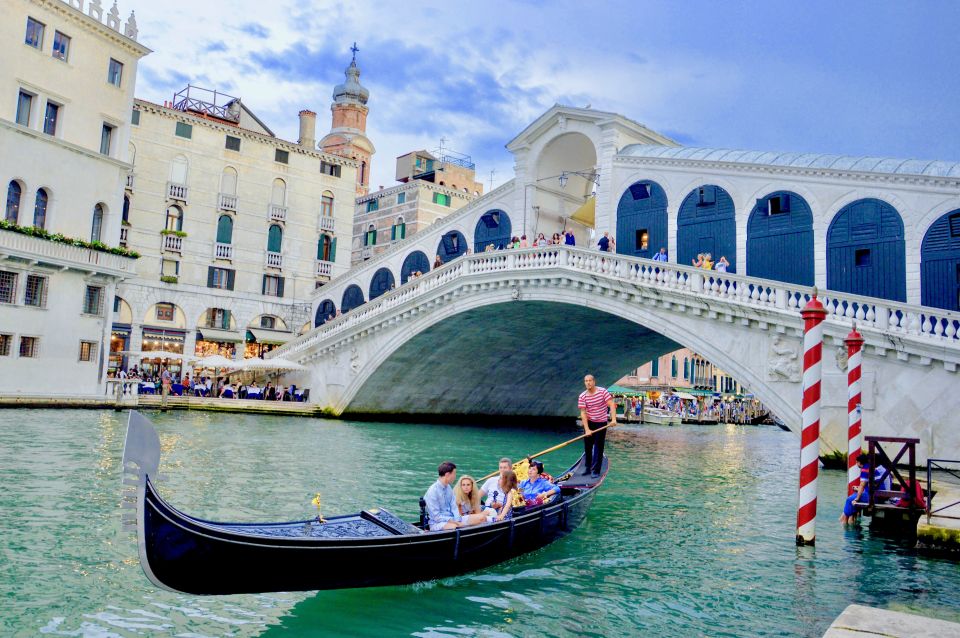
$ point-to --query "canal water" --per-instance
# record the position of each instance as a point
(691, 535)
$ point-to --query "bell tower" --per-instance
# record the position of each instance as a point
(348, 133)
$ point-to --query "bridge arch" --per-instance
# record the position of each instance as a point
(352, 298)
(707, 223)
(642, 219)
(780, 239)
(326, 310)
(452, 245)
(940, 263)
(492, 229)
(866, 251)
(381, 282)
(416, 261)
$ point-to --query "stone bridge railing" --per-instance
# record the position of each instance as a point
(927, 333)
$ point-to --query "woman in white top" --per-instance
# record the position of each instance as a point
(467, 497)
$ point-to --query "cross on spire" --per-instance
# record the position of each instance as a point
(354, 48)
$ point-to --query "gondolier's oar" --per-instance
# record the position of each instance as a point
(553, 449)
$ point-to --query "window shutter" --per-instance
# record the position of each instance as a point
(320, 248)
(333, 249)
(393, 232)
(279, 286)
(403, 231)
(230, 276)
(226, 319)
(263, 286)
(209, 276)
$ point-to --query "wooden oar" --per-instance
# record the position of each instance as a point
(555, 448)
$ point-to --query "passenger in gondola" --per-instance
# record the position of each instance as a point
(468, 502)
(511, 498)
(441, 502)
(493, 490)
(536, 488)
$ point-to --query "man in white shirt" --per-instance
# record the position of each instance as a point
(492, 489)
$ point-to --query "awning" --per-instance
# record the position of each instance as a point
(274, 337)
(586, 214)
(227, 336)
(684, 395)
(700, 393)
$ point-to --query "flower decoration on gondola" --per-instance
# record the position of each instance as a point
(316, 502)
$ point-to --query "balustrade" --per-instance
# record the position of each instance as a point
(277, 213)
(172, 243)
(130, 181)
(326, 224)
(274, 260)
(222, 251)
(123, 235)
(178, 192)
(324, 268)
(228, 202)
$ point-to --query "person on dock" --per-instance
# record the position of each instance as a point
(493, 489)
(536, 488)
(862, 492)
(594, 403)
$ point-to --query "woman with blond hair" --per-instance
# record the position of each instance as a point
(467, 497)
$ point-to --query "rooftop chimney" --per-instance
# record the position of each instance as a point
(308, 129)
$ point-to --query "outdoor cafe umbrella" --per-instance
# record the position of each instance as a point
(272, 365)
(215, 362)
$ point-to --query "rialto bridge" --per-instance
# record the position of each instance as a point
(511, 332)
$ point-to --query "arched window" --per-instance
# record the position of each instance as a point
(327, 248)
(326, 204)
(275, 239)
(40, 208)
(126, 209)
(399, 230)
(97, 224)
(370, 239)
(174, 218)
(655, 368)
(686, 369)
(14, 191)
(228, 181)
(279, 195)
(673, 367)
(178, 170)
(225, 229)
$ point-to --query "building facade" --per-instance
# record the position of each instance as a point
(685, 369)
(235, 226)
(68, 77)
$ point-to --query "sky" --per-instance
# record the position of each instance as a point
(863, 78)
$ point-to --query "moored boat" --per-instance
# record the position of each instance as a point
(371, 548)
(656, 416)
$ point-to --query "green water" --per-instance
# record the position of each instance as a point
(691, 535)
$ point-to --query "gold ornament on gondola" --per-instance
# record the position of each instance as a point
(316, 501)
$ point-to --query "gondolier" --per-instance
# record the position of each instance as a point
(594, 403)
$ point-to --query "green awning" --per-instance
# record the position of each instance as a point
(630, 392)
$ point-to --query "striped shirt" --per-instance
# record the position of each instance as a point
(595, 404)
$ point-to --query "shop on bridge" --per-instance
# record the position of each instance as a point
(352, 298)
(451, 246)
(707, 224)
(940, 263)
(382, 282)
(326, 311)
(642, 220)
(415, 262)
(780, 239)
(865, 251)
(493, 229)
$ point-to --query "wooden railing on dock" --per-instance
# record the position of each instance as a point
(940, 465)
(880, 499)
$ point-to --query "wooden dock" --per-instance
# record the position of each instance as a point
(155, 402)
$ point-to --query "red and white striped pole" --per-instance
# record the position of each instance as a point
(854, 343)
(813, 315)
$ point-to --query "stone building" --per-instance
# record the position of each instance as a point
(236, 227)
(431, 187)
(682, 368)
(348, 133)
(67, 80)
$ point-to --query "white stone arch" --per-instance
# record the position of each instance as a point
(179, 321)
(229, 180)
(125, 314)
(281, 323)
(132, 154)
(279, 192)
(666, 182)
(227, 305)
(772, 186)
(930, 217)
(535, 152)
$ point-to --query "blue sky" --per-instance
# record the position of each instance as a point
(871, 78)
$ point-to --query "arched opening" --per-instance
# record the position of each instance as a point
(228, 181)
(352, 298)
(327, 248)
(398, 230)
(126, 209)
(119, 336)
(642, 220)
(217, 333)
(278, 196)
(40, 207)
(382, 282)
(225, 229)
(573, 157)
(780, 239)
(940, 263)
(707, 224)
(451, 246)
(274, 238)
(370, 238)
(174, 218)
(326, 204)
(14, 195)
(263, 334)
(415, 262)
(179, 169)
(866, 251)
(326, 311)
(165, 314)
(96, 225)
(493, 229)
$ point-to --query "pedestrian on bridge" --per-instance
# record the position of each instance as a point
(594, 403)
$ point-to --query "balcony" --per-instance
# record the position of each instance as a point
(178, 192)
(129, 181)
(172, 243)
(222, 251)
(278, 213)
(326, 224)
(124, 232)
(274, 260)
(367, 252)
(228, 202)
(324, 268)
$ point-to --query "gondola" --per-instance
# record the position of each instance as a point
(372, 548)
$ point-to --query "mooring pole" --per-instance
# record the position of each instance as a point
(854, 342)
(813, 315)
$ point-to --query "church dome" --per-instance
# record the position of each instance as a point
(351, 90)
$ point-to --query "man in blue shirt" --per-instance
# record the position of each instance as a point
(569, 239)
(604, 243)
(441, 504)
(661, 256)
(535, 487)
